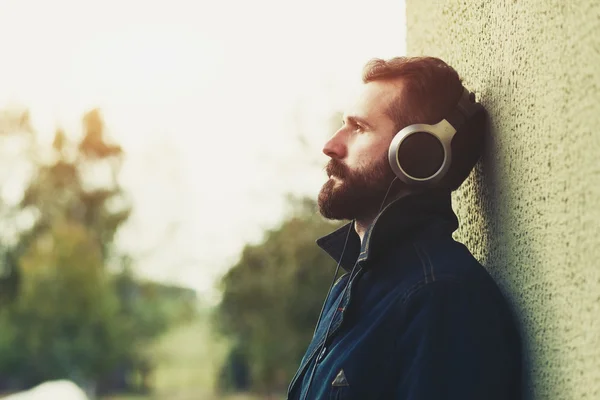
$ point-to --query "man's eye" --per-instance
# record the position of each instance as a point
(353, 125)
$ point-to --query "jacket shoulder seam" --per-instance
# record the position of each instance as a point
(422, 283)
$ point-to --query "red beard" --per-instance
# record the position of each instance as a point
(355, 194)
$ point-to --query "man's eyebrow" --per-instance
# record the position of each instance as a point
(359, 121)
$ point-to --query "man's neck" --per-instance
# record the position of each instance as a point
(362, 224)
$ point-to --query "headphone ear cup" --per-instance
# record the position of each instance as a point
(421, 155)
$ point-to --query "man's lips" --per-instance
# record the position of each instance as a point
(335, 168)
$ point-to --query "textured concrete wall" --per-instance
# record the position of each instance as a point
(531, 211)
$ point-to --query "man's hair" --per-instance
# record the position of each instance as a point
(430, 90)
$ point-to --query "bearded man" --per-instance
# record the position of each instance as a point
(415, 316)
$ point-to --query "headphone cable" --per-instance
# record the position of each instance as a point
(323, 346)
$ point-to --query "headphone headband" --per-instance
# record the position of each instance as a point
(464, 109)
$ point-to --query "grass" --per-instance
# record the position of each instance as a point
(188, 359)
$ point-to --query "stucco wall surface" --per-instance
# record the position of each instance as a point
(531, 211)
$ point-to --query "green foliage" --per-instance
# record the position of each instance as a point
(273, 295)
(66, 312)
(150, 308)
(63, 186)
(65, 320)
(63, 313)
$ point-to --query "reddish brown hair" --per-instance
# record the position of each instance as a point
(430, 90)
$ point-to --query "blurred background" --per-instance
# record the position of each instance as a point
(159, 165)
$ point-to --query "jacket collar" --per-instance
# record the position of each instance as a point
(403, 218)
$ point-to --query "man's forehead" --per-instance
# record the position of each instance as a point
(371, 100)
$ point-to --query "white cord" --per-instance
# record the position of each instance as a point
(386, 194)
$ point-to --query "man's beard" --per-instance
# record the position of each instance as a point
(355, 194)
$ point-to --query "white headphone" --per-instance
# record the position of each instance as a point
(408, 146)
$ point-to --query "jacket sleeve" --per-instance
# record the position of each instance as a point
(457, 343)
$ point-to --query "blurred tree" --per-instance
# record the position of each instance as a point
(65, 321)
(72, 316)
(66, 314)
(16, 133)
(273, 295)
(15, 121)
(77, 182)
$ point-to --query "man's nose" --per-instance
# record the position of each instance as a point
(335, 147)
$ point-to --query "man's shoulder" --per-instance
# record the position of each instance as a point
(448, 259)
(453, 273)
(441, 262)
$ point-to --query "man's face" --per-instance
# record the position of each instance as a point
(359, 173)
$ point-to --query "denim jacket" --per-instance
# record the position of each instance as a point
(414, 317)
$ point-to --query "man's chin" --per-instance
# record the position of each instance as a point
(331, 205)
(330, 214)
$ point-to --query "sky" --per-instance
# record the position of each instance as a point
(208, 100)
